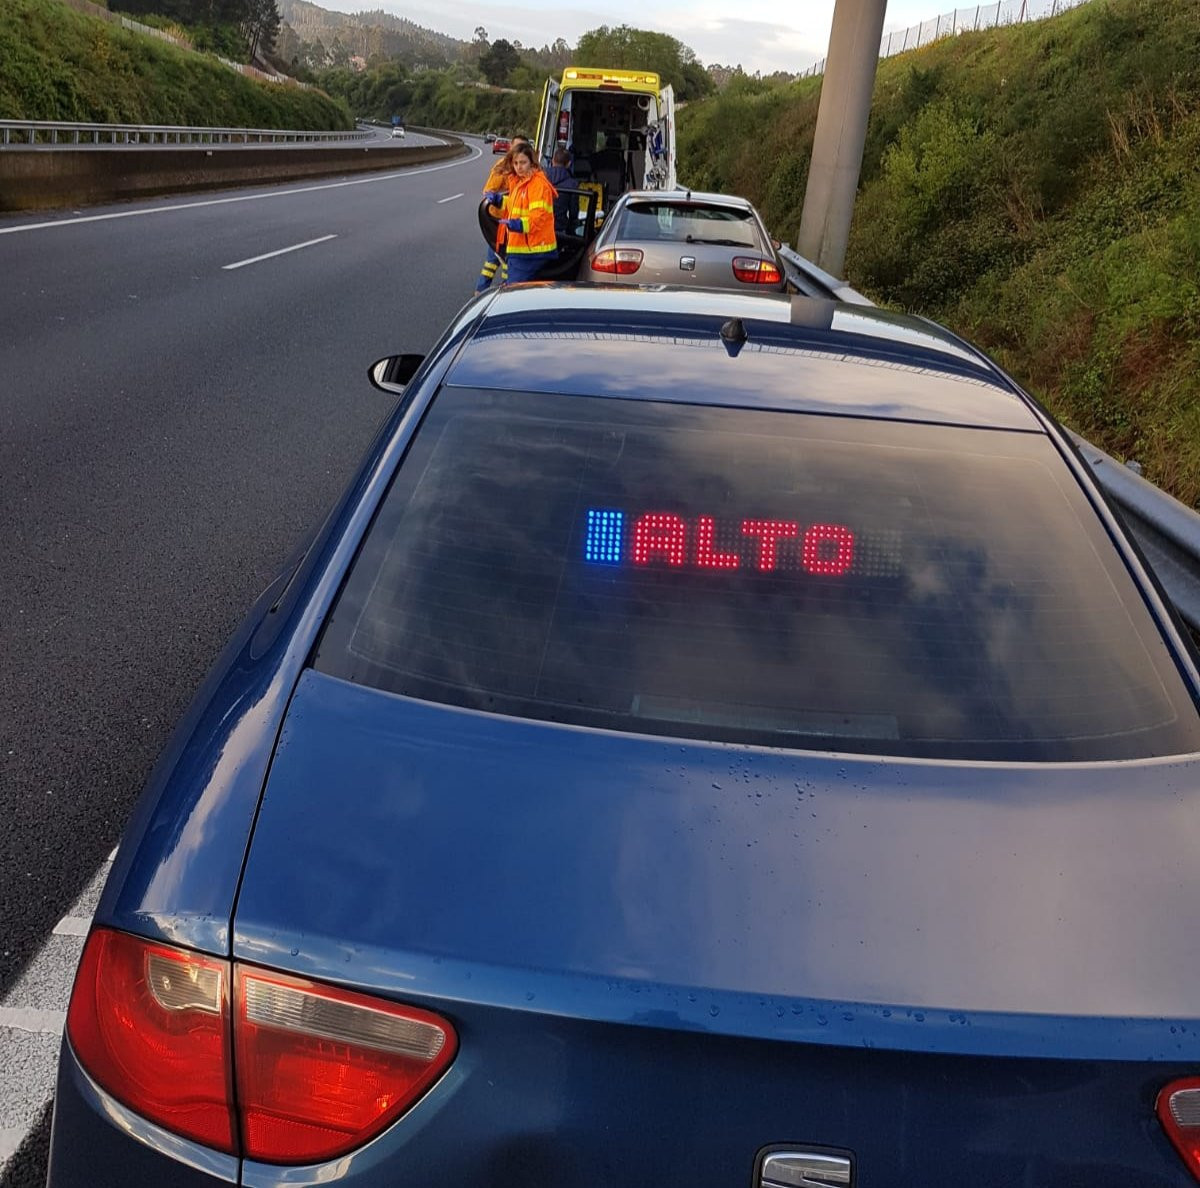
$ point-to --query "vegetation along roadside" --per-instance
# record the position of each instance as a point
(1036, 188)
(60, 64)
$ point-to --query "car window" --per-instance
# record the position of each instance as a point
(689, 223)
(764, 577)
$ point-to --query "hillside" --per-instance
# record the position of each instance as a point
(433, 98)
(367, 34)
(1036, 188)
(60, 64)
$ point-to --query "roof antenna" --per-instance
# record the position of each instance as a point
(733, 335)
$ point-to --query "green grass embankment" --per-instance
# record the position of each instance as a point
(59, 64)
(1036, 188)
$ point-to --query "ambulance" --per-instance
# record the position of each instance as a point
(617, 125)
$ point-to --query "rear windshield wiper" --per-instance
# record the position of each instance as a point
(719, 242)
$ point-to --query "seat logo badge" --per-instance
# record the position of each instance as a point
(805, 1169)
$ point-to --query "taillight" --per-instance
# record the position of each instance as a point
(622, 261)
(755, 271)
(150, 1023)
(319, 1070)
(1178, 1110)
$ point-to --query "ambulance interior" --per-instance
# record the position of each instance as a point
(615, 140)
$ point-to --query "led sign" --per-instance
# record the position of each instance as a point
(659, 538)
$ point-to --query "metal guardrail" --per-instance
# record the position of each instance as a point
(57, 132)
(812, 281)
(1167, 531)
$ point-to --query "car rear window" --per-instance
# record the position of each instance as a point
(689, 223)
(764, 577)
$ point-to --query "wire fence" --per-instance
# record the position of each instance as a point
(962, 20)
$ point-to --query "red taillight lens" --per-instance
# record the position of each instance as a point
(319, 1070)
(150, 1024)
(1178, 1110)
(754, 271)
(621, 261)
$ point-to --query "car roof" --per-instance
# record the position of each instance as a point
(683, 196)
(799, 354)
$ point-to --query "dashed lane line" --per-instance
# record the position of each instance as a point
(450, 199)
(11, 1138)
(32, 1017)
(73, 926)
(280, 252)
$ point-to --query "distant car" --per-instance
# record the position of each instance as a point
(398, 131)
(681, 237)
(501, 144)
(488, 137)
(717, 739)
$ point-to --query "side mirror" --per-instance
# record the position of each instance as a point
(775, 243)
(391, 374)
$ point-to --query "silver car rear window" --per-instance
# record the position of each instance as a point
(764, 577)
(677, 222)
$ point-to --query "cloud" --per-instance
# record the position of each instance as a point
(765, 35)
(756, 45)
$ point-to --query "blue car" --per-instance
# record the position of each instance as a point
(715, 740)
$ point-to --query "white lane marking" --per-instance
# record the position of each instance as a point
(21, 1025)
(73, 926)
(133, 214)
(281, 252)
(113, 856)
(10, 1140)
(450, 199)
(31, 1019)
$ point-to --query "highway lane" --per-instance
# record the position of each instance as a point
(182, 393)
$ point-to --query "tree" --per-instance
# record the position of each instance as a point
(499, 61)
(525, 78)
(260, 26)
(641, 49)
(246, 27)
(339, 55)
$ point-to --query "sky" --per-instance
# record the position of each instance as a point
(766, 35)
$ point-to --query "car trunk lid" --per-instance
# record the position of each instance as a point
(931, 965)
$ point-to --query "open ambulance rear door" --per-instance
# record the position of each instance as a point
(662, 145)
(548, 122)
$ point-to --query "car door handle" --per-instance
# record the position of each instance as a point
(805, 1169)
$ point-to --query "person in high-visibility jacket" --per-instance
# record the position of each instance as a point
(494, 190)
(528, 217)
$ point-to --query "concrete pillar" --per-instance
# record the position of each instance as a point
(841, 132)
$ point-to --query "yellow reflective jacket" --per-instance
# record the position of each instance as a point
(531, 199)
(497, 183)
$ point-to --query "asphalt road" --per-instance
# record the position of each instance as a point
(182, 392)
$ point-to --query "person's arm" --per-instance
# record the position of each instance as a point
(540, 219)
(497, 183)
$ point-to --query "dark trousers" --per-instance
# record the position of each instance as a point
(524, 268)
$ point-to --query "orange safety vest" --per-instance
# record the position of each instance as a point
(498, 183)
(531, 199)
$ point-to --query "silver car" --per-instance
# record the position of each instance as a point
(684, 237)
